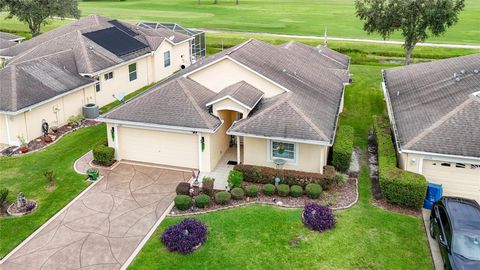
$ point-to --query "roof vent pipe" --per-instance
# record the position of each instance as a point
(476, 71)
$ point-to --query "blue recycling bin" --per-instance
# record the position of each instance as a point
(434, 193)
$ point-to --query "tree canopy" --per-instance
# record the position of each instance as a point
(37, 12)
(415, 19)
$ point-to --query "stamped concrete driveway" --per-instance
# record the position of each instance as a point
(104, 226)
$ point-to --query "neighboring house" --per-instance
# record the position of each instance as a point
(262, 101)
(93, 60)
(8, 40)
(434, 109)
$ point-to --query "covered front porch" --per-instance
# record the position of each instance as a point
(221, 170)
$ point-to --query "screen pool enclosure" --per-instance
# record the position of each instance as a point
(199, 43)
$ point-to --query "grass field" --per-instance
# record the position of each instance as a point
(257, 237)
(299, 17)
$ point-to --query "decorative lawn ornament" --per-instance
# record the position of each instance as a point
(318, 217)
(186, 236)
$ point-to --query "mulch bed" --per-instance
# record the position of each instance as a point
(340, 196)
(39, 143)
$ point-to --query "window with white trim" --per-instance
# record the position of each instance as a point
(166, 59)
(108, 76)
(283, 150)
(97, 87)
(132, 71)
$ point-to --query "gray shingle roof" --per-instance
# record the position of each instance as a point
(242, 92)
(309, 111)
(4, 43)
(10, 37)
(433, 111)
(180, 103)
(40, 79)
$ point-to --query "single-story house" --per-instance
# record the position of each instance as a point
(92, 60)
(267, 103)
(434, 109)
(8, 40)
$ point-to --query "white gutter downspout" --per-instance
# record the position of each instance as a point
(199, 151)
(115, 142)
(420, 165)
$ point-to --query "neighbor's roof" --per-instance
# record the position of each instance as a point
(25, 84)
(177, 103)
(308, 110)
(10, 37)
(4, 43)
(433, 110)
(91, 56)
(242, 92)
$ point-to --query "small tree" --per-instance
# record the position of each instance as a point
(416, 19)
(36, 12)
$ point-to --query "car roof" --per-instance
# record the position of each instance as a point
(464, 214)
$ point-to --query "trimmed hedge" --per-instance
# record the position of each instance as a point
(269, 189)
(342, 149)
(398, 186)
(202, 201)
(223, 197)
(103, 154)
(252, 190)
(296, 191)
(283, 190)
(313, 190)
(183, 202)
(266, 175)
(237, 193)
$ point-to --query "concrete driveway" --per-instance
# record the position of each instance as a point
(104, 226)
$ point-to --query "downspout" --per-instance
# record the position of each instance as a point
(420, 165)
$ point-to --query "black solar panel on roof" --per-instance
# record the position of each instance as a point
(115, 41)
(122, 27)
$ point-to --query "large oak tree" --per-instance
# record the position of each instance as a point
(37, 12)
(415, 19)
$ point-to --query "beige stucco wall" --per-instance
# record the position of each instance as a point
(226, 72)
(456, 181)
(228, 104)
(160, 147)
(179, 55)
(219, 142)
(311, 158)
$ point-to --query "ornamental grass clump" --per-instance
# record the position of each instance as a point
(318, 217)
(186, 236)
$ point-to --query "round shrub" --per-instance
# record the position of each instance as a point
(318, 217)
(313, 190)
(186, 236)
(237, 193)
(235, 179)
(183, 202)
(296, 191)
(223, 197)
(283, 190)
(252, 190)
(269, 189)
(202, 201)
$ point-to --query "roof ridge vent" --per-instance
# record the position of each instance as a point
(476, 71)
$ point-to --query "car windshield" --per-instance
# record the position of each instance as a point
(467, 244)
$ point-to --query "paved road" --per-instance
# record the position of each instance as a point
(105, 225)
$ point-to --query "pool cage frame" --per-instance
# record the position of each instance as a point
(199, 42)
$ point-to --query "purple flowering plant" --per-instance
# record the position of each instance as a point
(318, 217)
(186, 236)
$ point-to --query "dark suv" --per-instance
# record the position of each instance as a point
(455, 223)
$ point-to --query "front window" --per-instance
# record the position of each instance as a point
(97, 87)
(166, 59)
(132, 71)
(283, 150)
(467, 244)
(108, 76)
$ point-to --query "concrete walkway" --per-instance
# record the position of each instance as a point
(83, 164)
(102, 228)
(434, 249)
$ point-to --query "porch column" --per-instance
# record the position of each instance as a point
(7, 127)
(238, 150)
(322, 158)
(115, 142)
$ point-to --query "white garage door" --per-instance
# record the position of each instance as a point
(159, 147)
(457, 179)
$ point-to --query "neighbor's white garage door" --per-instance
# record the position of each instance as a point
(159, 147)
(457, 179)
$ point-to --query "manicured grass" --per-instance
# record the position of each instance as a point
(257, 237)
(297, 17)
(25, 174)
(135, 93)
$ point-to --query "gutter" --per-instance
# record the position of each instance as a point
(278, 138)
(463, 158)
(29, 108)
(390, 113)
(97, 73)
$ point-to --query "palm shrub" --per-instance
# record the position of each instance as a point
(251, 190)
(235, 179)
(223, 197)
(313, 191)
(183, 202)
(283, 190)
(186, 236)
(269, 189)
(318, 217)
(202, 201)
(237, 193)
(296, 191)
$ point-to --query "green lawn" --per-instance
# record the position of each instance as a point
(257, 237)
(25, 174)
(298, 17)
